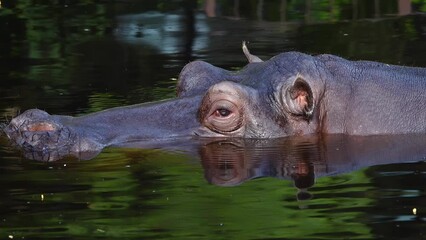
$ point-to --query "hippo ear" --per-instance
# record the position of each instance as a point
(299, 98)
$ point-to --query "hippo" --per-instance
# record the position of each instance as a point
(291, 94)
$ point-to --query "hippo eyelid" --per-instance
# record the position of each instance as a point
(222, 108)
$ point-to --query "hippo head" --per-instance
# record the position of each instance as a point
(265, 99)
(276, 98)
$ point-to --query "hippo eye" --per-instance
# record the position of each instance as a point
(222, 112)
(224, 116)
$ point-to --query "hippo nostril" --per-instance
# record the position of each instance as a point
(41, 127)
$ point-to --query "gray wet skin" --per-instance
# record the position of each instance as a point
(289, 94)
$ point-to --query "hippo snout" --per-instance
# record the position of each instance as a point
(37, 131)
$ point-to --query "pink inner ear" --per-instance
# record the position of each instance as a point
(301, 98)
(37, 127)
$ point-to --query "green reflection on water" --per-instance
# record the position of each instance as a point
(131, 194)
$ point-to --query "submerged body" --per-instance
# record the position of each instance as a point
(289, 94)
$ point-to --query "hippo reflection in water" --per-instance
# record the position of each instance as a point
(233, 161)
(289, 94)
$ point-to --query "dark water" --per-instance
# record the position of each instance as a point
(74, 58)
